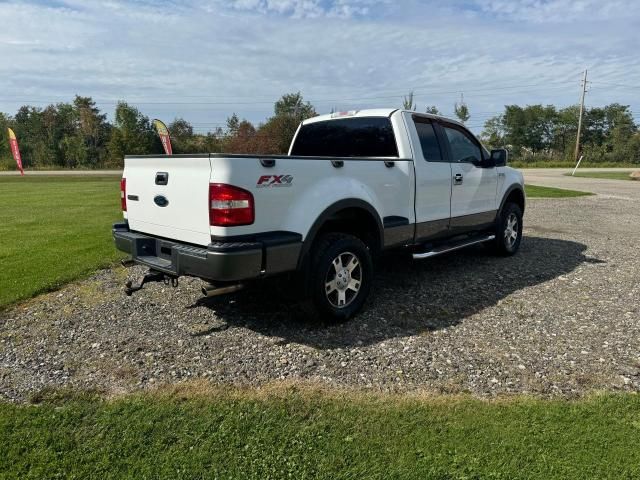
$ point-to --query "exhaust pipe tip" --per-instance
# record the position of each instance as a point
(213, 291)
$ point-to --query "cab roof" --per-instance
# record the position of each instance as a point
(373, 112)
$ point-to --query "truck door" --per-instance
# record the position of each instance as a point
(433, 179)
(474, 186)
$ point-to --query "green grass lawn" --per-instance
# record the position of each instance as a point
(606, 175)
(231, 434)
(534, 191)
(53, 230)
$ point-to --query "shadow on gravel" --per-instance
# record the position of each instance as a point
(408, 297)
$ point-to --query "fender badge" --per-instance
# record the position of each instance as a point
(274, 181)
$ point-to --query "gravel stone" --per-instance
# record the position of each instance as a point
(561, 318)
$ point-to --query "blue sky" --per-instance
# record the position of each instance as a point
(204, 59)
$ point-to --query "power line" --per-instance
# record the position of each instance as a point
(615, 84)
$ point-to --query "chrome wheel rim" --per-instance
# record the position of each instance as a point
(511, 230)
(343, 280)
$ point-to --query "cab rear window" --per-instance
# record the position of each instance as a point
(347, 137)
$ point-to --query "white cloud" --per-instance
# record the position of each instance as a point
(307, 8)
(561, 11)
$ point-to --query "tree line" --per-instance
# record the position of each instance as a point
(78, 134)
(545, 132)
(609, 133)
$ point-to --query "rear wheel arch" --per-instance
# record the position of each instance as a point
(352, 216)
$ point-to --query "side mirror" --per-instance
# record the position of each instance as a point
(499, 157)
(487, 163)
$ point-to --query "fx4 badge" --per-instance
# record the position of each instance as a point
(274, 181)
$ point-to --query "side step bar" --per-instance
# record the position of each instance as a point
(450, 247)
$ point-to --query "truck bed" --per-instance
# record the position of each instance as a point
(289, 192)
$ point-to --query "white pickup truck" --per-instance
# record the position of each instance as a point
(353, 185)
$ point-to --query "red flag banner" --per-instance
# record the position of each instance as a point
(13, 143)
(163, 133)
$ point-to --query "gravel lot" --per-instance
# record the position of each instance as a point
(559, 319)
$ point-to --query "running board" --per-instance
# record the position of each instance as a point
(453, 246)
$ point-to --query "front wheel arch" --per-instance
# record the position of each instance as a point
(514, 194)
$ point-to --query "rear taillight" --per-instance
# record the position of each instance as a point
(230, 206)
(123, 194)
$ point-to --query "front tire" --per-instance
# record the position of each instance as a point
(341, 275)
(509, 230)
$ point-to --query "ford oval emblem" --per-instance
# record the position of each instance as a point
(161, 200)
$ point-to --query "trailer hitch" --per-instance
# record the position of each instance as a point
(149, 277)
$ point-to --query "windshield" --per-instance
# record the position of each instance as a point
(347, 137)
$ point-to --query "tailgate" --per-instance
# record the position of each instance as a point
(169, 196)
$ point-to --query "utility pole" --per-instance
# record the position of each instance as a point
(584, 91)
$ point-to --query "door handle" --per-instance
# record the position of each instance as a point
(457, 179)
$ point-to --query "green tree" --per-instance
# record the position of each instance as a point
(77, 134)
(566, 129)
(244, 139)
(183, 139)
(275, 135)
(6, 160)
(5, 122)
(62, 121)
(529, 130)
(293, 105)
(233, 123)
(92, 129)
(493, 132)
(32, 135)
(461, 110)
(610, 134)
(180, 129)
(407, 102)
(74, 150)
(66, 134)
(433, 110)
(540, 123)
(132, 134)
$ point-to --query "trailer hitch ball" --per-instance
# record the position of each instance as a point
(168, 280)
(127, 262)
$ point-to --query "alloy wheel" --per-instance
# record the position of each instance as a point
(343, 280)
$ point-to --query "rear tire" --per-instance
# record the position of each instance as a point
(508, 230)
(340, 276)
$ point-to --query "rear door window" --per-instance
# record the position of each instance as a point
(428, 140)
(348, 137)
